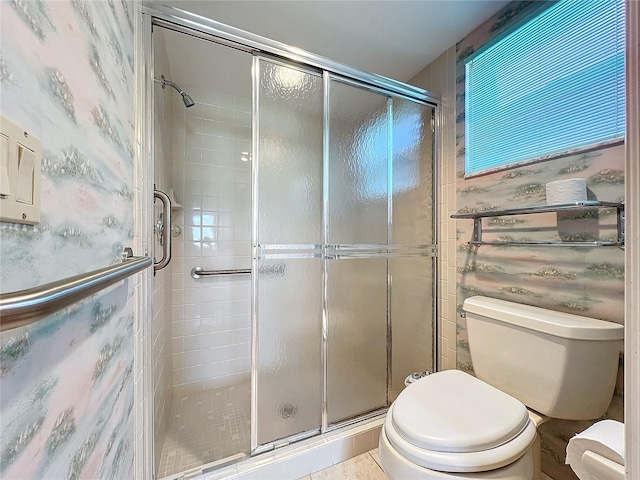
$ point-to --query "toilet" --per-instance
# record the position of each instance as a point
(530, 364)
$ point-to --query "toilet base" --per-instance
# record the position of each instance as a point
(397, 467)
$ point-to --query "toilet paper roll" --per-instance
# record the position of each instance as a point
(567, 191)
(606, 438)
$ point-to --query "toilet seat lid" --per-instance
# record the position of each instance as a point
(452, 411)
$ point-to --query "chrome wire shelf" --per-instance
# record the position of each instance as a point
(547, 208)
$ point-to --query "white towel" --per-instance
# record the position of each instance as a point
(606, 438)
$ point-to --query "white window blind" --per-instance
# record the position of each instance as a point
(555, 84)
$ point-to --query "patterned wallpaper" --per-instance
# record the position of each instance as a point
(585, 281)
(66, 388)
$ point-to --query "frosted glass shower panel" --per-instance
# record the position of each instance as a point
(356, 337)
(358, 165)
(412, 235)
(289, 385)
(288, 208)
(290, 151)
(412, 318)
(412, 173)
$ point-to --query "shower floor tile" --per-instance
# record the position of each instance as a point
(205, 427)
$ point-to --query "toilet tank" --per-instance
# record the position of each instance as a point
(559, 364)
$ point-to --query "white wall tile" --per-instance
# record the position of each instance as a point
(274, 471)
(242, 103)
(363, 442)
(250, 475)
(321, 458)
(342, 450)
(299, 465)
(215, 334)
(226, 100)
(439, 77)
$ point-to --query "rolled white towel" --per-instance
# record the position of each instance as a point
(604, 438)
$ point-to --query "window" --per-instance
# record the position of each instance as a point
(552, 86)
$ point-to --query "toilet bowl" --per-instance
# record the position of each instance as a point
(451, 425)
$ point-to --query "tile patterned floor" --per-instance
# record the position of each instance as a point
(363, 467)
(205, 427)
(360, 468)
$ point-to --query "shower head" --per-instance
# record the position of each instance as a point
(188, 101)
(186, 98)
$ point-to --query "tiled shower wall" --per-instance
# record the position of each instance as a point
(211, 324)
(589, 282)
(438, 77)
(67, 381)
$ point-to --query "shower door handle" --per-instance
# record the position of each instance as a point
(163, 229)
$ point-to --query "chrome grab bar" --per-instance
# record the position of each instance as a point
(197, 272)
(163, 229)
(24, 307)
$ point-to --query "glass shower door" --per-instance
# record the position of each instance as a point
(343, 256)
(357, 233)
(287, 393)
(379, 241)
(412, 263)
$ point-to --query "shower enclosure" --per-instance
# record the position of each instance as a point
(306, 192)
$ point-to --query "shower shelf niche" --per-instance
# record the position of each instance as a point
(556, 207)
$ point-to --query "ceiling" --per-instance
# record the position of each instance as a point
(392, 38)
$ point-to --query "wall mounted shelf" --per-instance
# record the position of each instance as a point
(557, 207)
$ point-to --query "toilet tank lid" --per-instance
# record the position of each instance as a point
(559, 324)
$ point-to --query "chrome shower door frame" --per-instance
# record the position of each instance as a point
(144, 148)
(186, 22)
(330, 252)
